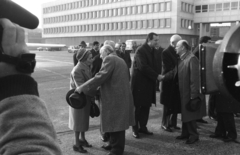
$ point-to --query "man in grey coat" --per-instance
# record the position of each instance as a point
(116, 101)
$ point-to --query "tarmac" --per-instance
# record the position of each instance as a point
(52, 74)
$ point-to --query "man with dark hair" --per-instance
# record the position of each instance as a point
(125, 55)
(143, 83)
(82, 45)
(97, 61)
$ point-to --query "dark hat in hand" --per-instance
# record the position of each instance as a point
(76, 100)
(194, 104)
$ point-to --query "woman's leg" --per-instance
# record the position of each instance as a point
(77, 142)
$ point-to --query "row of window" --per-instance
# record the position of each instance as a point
(217, 7)
(131, 10)
(77, 4)
(186, 7)
(186, 23)
(142, 24)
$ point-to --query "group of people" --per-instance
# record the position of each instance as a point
(126, 100)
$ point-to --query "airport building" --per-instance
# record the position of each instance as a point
(71, 21)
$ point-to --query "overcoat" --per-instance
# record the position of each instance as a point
(97, 62)
(169, 95)
(79, 118)
(144, 77)
(189, 79)
(126, 57)
(116, 101)
(224, 104)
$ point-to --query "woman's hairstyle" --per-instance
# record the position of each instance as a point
(110, 42)
(186, 45)
(107, 48)
(82, 55)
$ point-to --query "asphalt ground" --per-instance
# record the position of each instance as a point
(52, 74)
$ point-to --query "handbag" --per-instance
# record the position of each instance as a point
(94, 110)
(194, 104)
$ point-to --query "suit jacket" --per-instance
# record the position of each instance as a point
(169, 90)
(116, 102)
(97, 62)
(126, 57)
(144, 76)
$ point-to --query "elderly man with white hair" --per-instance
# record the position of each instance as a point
(169, 92)
(116, 100)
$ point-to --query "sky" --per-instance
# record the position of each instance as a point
(33, 6)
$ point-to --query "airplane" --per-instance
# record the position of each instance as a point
(46, 47)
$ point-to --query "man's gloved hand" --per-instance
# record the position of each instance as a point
(13, 44)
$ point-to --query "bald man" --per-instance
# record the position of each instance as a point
(169, 92)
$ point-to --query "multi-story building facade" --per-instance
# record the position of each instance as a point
(71, 21)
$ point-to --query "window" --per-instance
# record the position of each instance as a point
(150, 24)
(124, 25)
(119, 25)
(114, 12)
(119, 11)
(183, 6)
(186, 23)
(162, 23)
(129, 25)
(98, 27)
(211, 7)
(234, 5)
(106, 27)
(186, 7)
(102, 13)
(134, 25)
(134, 10)
(139, 24)
(140, 9)
(219, 7)
(129, 10)
(124, 11)
(162, 6)
(168, 6)
(102, 27)
(90, 15)
(115, 26)
(198, 9)
(110, 26)
(110, 13)
(150, 7)
(156, 7)
(86, 15)
(204, 8)
(145, 9)
(144, 24)
(226, 6)
(94, 27)
(106, 13)
(156, 23)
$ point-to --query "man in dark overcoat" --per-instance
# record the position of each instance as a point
(97, 61)
(143, 83)
(169, 91)
(225, 107)
(125, 55)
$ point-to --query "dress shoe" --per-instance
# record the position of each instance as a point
(107, 147)
(228, 139)
(176, 127)
(135, 135)
(166, 128)
(182, 137)
(192, 140)
(201, 121)
(145, 131)
(84, 143)
(79, 149)
(217, 136)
